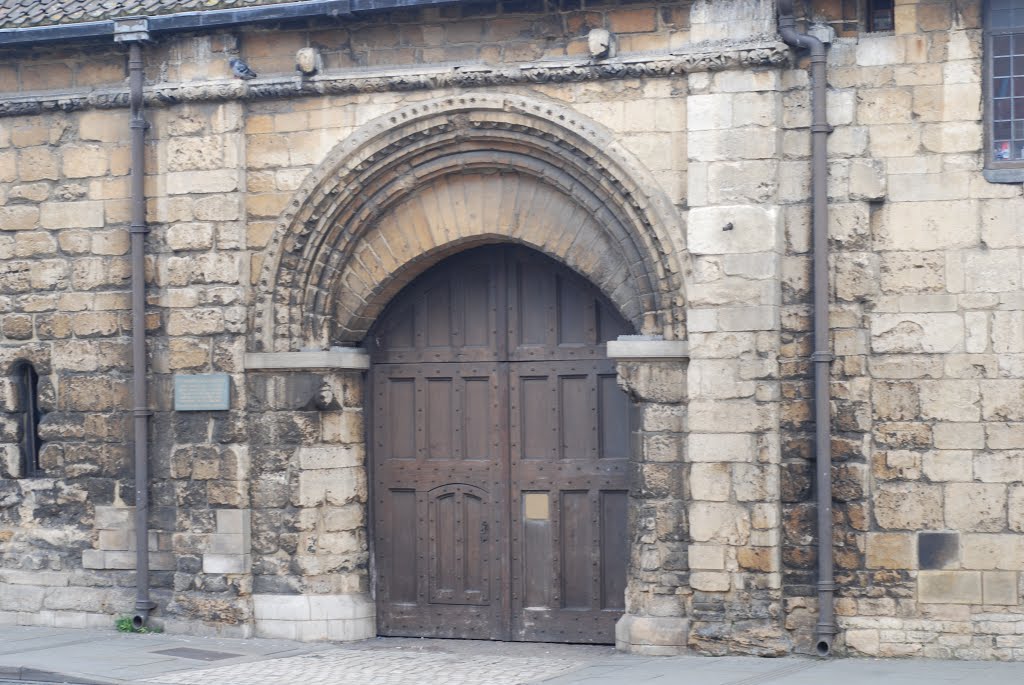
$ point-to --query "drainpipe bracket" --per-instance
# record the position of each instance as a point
(822, 357)
(138, 228)
(145, 605)
(131, 29)
(822, 128)
(142, 411)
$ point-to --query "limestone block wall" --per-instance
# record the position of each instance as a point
(258, 513)
(265, 500)
(734, 236)
(927, 390)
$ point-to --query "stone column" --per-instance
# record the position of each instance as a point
(653, 373)
(310, 551)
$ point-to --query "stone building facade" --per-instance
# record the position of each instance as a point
(673, 173)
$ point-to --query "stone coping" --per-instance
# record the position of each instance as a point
(338, 358)
(632, 348)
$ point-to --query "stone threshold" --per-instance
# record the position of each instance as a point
(699, 58)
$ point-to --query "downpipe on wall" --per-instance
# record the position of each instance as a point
(821, 358)
(140, 409)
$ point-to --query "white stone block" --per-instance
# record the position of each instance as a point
(759, 318)
(351, 630)
(311, 631)
(333, 607)
(734, 229)
(709, 112)
(916, 333)
(226, 563)
(226, 543)
(234, 520)
(215, 181)
(282, 630)
(281, 607)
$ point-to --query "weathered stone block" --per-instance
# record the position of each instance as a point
(719, 522)
(908, 506)
(992, 551)
(85, 214)
(917, 333)
(925, 226)
(1001, 588)
(734, 229)
(976, 506)
(949, 587)
(19, 218)
(215, 181)
(950, 400)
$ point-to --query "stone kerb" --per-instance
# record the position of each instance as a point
(317, 287)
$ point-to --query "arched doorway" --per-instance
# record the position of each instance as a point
(500, 445)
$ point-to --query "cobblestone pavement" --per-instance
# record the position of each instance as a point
(404, 662)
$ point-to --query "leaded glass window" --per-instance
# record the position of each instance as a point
(1005, 82)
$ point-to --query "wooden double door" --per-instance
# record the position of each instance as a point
(500, 446)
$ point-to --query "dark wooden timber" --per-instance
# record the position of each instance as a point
(500, 451)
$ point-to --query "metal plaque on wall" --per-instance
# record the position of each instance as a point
(202, 392)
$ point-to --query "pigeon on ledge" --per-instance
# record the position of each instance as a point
(241, 69)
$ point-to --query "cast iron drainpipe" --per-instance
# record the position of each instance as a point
(826, 628)
(141, 412)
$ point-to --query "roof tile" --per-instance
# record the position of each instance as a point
(26, 13)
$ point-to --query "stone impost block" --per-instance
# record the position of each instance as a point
(335, 358)
(632, 347)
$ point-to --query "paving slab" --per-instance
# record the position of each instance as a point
(98, 657)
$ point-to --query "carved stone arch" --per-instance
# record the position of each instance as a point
(416, 185)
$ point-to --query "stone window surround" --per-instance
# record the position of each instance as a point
(995, 172)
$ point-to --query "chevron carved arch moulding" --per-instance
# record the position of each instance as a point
(421, 183)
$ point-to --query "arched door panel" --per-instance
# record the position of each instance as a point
(500, 450)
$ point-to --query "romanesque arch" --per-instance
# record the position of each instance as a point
(414, 186)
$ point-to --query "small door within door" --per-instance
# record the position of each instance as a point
(500, 443)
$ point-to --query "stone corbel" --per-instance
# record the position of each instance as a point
(651, 369)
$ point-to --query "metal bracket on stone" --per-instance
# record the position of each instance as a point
(647, 347)
(335, 358)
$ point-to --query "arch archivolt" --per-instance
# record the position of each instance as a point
(437, 177)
